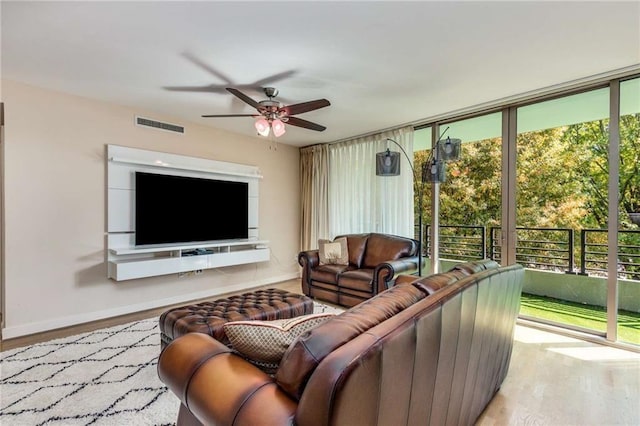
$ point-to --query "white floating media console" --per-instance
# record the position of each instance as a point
(127, 261)
(127, 264)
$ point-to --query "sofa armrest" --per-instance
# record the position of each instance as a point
(386, 272)
(308, 260)
(219, 387)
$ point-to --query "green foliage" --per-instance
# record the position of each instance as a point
(471, 194)
(561, 173)
(548, 193)
(590, 142)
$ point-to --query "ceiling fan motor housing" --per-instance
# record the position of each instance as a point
(271, 109)
(271, 92)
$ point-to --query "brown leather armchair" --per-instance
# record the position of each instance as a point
(375, 260)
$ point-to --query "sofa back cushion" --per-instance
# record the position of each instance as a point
(433, 283)
(474, 266)
(383, 248)
(301, 359)
(356, 244)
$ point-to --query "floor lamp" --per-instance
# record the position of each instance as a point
(388, 164)
(433, 170)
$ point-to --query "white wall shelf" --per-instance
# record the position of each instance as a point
(127, 261)
(183, 247)
(128, 264)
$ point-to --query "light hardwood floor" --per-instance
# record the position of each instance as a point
(558, 380)
(552, 380)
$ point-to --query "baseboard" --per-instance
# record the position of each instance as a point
(72, 320)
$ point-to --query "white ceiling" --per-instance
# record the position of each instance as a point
(381, 64)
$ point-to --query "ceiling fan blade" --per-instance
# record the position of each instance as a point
(299, 122)
(272, 79)
(207, 67)
(211, 88)
(306, 106)
(229, 115)
(244, 97)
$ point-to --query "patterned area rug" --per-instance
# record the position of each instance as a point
(104, 377)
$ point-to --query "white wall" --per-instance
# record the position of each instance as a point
(55, 206)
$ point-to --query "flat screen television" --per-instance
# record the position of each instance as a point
(178, 209)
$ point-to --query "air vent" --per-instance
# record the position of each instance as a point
(141, 121)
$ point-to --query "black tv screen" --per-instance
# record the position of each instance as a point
(179, 209)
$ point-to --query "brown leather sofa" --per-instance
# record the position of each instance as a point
(428, 351)
(375, 260)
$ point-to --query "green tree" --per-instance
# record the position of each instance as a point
(548, 195)
(562, 181)
(591, 141)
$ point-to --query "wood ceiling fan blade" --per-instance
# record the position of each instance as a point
(299, 122)
(244, 97)
(229, 115)
(306, 106)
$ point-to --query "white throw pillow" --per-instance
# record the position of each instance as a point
(334, 252)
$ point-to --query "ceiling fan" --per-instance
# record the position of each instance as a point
(272, 115)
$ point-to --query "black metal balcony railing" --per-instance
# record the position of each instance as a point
(543, 248)
(540, 248)
(464, 242)
(593, 253)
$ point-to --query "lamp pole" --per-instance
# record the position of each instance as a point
(433, 170)
(419, 188)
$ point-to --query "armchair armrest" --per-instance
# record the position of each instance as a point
(219, 387)
(385, 272)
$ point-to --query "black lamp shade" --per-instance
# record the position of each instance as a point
(388, 163)
(449, 149)
(434, 172)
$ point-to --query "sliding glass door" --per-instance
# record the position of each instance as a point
(562, 204)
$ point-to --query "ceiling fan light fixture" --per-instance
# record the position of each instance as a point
(263, 127)
(271, 114)
(278, 128)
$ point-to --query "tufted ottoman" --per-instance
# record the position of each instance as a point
(208, 317)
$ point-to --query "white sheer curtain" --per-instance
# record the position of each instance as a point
(360, 201)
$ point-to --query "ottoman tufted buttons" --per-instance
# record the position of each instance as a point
(209, 317)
